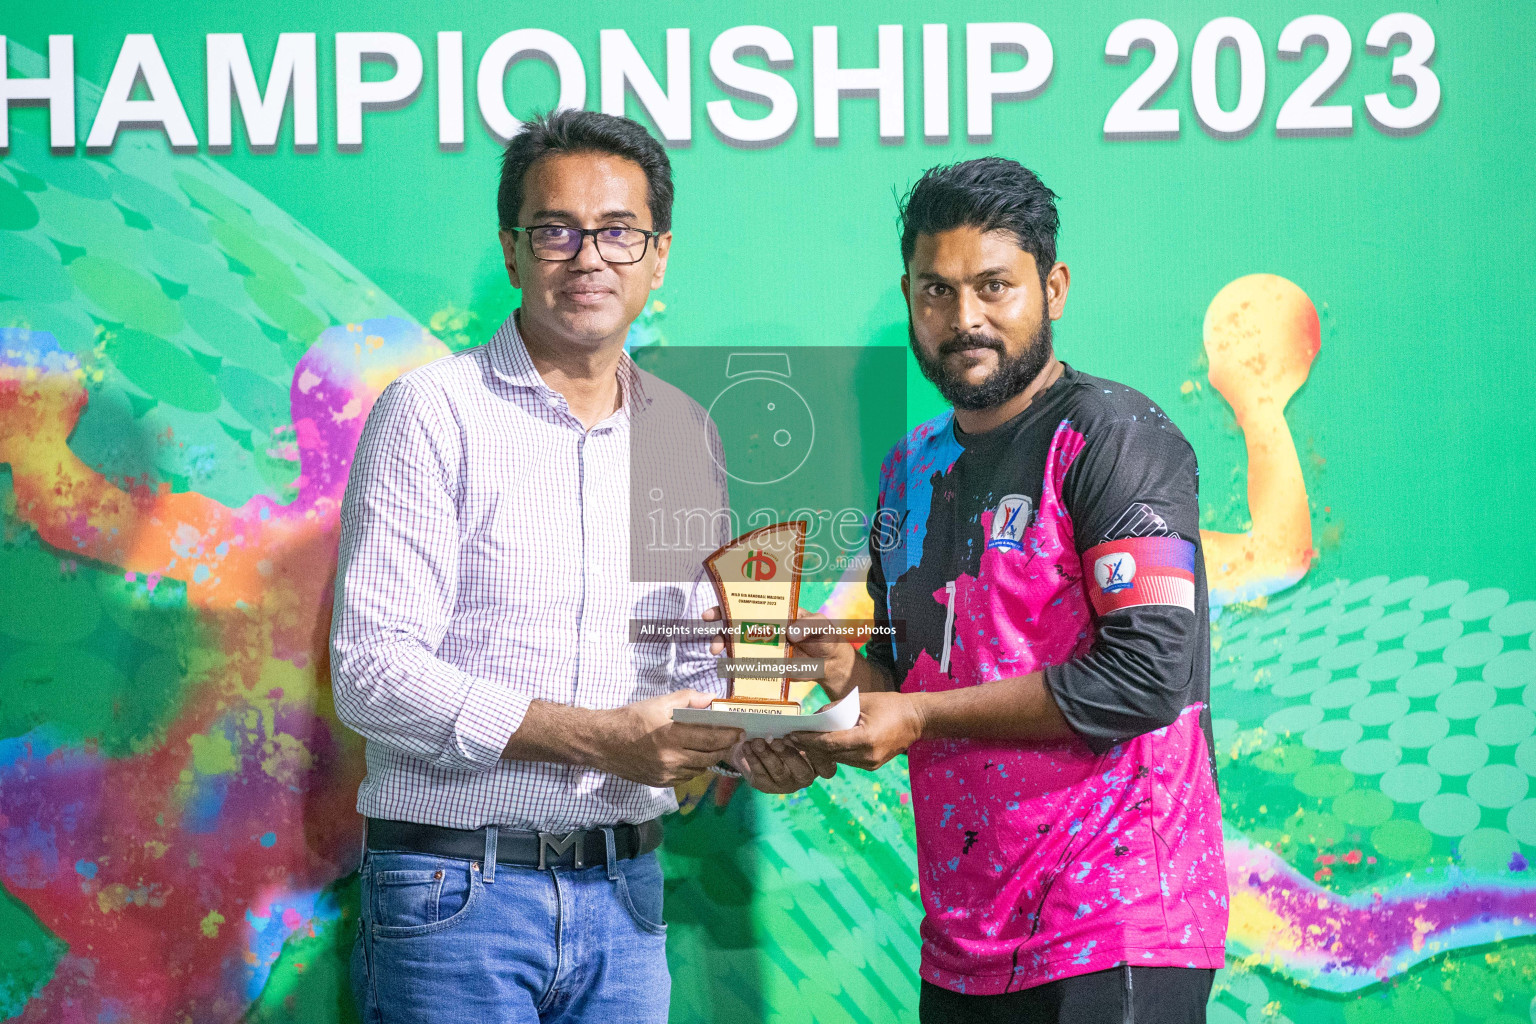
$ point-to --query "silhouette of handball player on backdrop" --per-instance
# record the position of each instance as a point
(258, 581)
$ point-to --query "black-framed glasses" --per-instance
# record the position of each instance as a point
(558, 243)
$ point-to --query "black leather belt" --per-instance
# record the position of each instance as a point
(579, 849)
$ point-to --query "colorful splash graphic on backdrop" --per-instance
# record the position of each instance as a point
(185, 370)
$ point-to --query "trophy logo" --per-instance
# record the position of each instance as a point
(757, 579)
(758, 566)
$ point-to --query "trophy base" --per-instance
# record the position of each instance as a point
(756, 707)
(779, 719)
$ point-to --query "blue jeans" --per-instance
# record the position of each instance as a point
(441, 940)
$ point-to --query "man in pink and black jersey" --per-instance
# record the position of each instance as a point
(1041, 544)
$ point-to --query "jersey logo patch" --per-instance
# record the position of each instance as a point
(1115, 571)
(1009, 522)
(1138, 571)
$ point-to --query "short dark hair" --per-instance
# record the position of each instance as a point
(991, 193)
(584, 131)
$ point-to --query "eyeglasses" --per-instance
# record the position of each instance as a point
(558, 243)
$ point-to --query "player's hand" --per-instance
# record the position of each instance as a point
(810, 637)
(641, 743)
(773, 766)
(888, 724)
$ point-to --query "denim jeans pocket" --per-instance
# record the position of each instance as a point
(642, 891)
(415, 894)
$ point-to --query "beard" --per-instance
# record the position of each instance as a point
(1012, 375)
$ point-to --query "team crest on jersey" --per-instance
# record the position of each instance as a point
(1115, 572)
(1009, 521)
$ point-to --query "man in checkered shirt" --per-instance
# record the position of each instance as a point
(520, 749)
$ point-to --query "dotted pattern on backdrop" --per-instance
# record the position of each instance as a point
(1397, 712)
(1369, 730)
(187, 296)
(796, 908)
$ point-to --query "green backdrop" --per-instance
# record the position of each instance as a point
(175, 838)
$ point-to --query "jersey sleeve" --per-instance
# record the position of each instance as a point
(881, 648)
(1133, 498)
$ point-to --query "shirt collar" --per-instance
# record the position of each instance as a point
(511, 362)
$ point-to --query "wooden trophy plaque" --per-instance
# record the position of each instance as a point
(757, 579)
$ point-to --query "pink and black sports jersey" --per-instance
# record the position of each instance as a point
(1065, 540)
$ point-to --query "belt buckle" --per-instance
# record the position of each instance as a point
(560, 844)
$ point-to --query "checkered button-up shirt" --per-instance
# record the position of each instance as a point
(485, 563)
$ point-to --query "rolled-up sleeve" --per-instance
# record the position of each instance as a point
(396, 585)
(695, 665)
(1134, 492)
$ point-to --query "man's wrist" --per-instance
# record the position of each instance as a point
(840, 671)
(1021, 709)
(592, 744)
(919, 706)
(562, 734)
